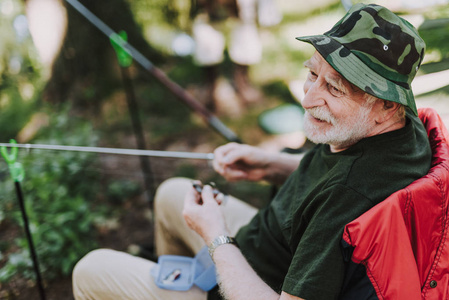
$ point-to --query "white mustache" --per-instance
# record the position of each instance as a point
(322, 114)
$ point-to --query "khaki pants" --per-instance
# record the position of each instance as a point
(109, 274)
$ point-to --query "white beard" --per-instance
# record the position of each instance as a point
(343, 133)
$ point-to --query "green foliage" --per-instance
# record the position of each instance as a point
(18, 263)
(164, 114)
(59, 189)
(120, 190)
(173, 13)
(279, 89)
(187, 170)
(436, 33)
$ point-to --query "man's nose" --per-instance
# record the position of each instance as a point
(313, 94)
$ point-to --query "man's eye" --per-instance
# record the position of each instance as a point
(312, 75)
(335, 91)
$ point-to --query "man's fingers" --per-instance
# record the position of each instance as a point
(192, 197)
(207, 195)
(235, 174)
(228, 153)
(220, 198)
(232, 157)
(218, 167)
(223, 150)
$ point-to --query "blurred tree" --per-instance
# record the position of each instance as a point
(86, 69)
(20, 79)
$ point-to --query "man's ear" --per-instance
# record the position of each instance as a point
(385, 110)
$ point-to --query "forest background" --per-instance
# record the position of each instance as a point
(61, 84)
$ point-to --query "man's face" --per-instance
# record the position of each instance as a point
(335, 112)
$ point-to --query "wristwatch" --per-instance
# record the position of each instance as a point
(218, 241)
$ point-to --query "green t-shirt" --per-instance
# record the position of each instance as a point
(294, 243)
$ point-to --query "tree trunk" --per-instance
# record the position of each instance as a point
(86, 69)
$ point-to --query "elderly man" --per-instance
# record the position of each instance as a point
(360, 111)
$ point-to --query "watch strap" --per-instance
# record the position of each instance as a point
(218, 241)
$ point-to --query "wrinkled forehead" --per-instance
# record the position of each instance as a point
(318, 64)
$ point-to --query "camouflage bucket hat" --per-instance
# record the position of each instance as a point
(375, 50)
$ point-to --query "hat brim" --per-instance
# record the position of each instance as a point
(358, 73)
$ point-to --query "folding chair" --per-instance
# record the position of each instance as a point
(400, 248)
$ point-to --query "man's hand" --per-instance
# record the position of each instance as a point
(237, 279)
(243, 162)
(240, 162)
(203, 214)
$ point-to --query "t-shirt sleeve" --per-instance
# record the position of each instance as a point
(317, 268)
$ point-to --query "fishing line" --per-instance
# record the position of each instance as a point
(118, 151)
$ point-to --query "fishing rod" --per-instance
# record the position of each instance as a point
(177, 90)
(118, 151)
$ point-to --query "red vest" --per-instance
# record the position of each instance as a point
(403, 241)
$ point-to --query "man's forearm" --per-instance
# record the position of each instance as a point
(237, 279)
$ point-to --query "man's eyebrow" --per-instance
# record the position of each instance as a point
(308, 64)
(337, 82)
(333, 79)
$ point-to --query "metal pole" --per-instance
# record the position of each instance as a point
(138, 132)
(17, 174)
(30, 241)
